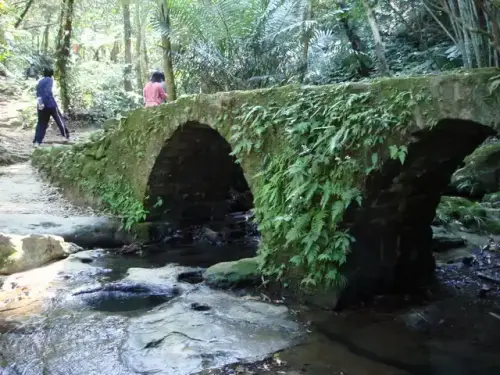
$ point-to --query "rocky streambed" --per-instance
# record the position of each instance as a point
(79, 317)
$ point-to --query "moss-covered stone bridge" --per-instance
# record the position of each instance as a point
(174, 163)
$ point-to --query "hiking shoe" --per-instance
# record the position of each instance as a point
(36, 144)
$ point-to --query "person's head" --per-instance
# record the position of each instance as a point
(162, 76)
(156, 77)
(48, 72)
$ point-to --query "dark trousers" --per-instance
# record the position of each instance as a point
(43, 123)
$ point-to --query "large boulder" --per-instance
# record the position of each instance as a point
(21, 253)
(481, 172)
(240, 273)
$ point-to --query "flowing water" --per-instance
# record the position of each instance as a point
(102, 313)
(98, 312)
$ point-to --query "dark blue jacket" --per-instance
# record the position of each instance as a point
(44, 91)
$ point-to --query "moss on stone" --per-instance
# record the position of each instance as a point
(128, 149)
(240, 273)
(481, 170)
(130, 145)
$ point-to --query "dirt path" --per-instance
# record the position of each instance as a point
(17, 123)
(28, 204)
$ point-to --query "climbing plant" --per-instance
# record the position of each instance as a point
(303, 192)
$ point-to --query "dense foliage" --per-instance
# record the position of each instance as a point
(301, 198)
(105, 50)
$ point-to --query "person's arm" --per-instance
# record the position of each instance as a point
(161, 93)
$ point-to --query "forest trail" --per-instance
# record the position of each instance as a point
(18, 120)
(28, 204)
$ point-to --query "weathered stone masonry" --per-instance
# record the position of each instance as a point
(173, 152)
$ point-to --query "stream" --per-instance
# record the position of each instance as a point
(99, 312)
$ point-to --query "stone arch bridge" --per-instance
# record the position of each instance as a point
(178, 155)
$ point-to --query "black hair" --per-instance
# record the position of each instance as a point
(48, 72)
(162, 76)
(156, 77)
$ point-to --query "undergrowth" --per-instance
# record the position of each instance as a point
(81, 167)
(330, 140)
(472, 215)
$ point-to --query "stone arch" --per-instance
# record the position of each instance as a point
(393, 227)
(196, 178)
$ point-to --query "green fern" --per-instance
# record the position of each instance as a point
(301, 199)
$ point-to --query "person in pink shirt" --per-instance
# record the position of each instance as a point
(153, 91)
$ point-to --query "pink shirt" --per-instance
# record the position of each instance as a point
(153, 94)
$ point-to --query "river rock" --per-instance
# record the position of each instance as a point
(240, 273)
(206, 329)
(423, 318)
(21, 253)
(443, 240)
(481, 173)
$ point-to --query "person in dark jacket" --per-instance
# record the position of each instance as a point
(47, 108)
(31, 72)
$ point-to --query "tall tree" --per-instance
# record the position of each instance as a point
(127, 35)
(63, 51)
(306, 38)
(46, 33)
(138, 45)
(166, 45)
(24, 13)
(379, 45)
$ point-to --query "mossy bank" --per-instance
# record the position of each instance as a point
(345, 179)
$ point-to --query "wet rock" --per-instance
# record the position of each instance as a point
(442, 240)
(468, 260)
(133, 248)
(480, 174)
(124, 297)
(191, 277)
(240, 273)
(483, 292)
(176, 339)
(85, 231)
(21, 253)
(209, 235)
(423, 318)
(27, 293)
(452, 256)
(199, 307)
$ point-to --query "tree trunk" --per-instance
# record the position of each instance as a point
(113, 55)
(23, 14)
(306, 39)
(379, 46)
(167, 56)
(138, 44)
(63, 52)
(145, 54)
(355, 41)
(46, 34)
(146, 59)
(127, 28)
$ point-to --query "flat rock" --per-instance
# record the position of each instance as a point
(442, 240)
(206, 329)
(21, 253)
(86, 231)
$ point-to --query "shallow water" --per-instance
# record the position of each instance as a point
(93, 317)
(449, 334)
